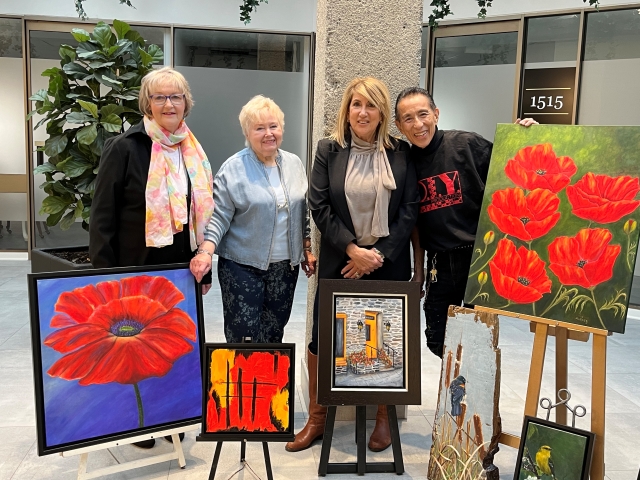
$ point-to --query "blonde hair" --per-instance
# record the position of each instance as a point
(375, 92)
(253, 111)
(154, 79)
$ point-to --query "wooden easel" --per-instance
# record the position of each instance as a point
(543, 328)
(243, 453)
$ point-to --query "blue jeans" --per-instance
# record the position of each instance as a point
(452, 274)
(256, 303)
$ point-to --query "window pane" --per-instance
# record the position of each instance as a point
(13, 221)
(423, 57)
(613, 35)
(45, 45)
(472, 50)
(552, 39)
(473, 81)
(10, 37)
(225, 69)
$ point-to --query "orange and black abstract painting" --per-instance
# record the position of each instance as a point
(249, 390)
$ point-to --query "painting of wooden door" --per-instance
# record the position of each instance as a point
(341, 340)
(371, 333)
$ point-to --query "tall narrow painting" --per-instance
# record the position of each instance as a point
(249, 392)
(558, 232)
(117, 353)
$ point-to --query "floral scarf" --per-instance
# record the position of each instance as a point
(166, 211)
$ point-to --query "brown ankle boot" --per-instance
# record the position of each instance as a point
(317, 413)
(381, 435)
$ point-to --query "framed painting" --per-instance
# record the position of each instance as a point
(249, 391)
(116, 353)
(369, 343)
(558, 230)
(549, 450)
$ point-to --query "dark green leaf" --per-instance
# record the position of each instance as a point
(92, 108)
(156, 53)
(45, 167)
(85, 212)
(52, 220)
(127, 76)
(111, 81)
(87, 185)
(67, 54)
(80, 35)
(62, 189)
(50, 71)
(31, 114)
(75, 70)
(124, 97)
(112, 123)
(89, 51)
(109, 109)
(79, 117)
(102, 33)
(121, 28)
(134, 37)
(130, 62)
(103, 135)
(145, 58)
(55, 145)
(100, 64)
(73, 168)
(39, 124)
(79, 209)
(87, 135)
(67, 221)
(53, 204)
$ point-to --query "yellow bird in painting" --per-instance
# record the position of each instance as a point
(543, 461)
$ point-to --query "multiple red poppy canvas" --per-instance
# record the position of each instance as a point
(248, 391)
(116, 354)
(558, 232)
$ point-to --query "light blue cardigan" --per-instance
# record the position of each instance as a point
(244, 218)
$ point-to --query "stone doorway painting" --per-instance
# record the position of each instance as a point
(369, 341)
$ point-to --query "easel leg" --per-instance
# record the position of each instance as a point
(395, 439)
(361, 432)
(216, 458)
(535, 373)
(177, 447)
(82, 467)
(598, 396)
(267, 460)
(562, 360)
(243, 450)
(326, 441)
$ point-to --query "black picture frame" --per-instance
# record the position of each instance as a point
(252, 434)
(393, 313)
(56, 413)
(560, 446)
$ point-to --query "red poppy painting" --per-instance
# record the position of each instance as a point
(557, 236)
(116, 354)
(537, 166)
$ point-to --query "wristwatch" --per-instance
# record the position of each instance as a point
(375, 250)
(202, 250)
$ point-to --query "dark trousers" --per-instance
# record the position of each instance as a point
(256, 303)
(452, 274)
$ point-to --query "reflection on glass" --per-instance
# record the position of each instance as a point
(46, 45)
(13, 221)
(238, 50)
(613, 35)
(340, 340)
(10, 37)
(473, 50)
(552, 39)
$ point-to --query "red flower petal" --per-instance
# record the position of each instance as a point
(77, 305)
(78, 364)
(68, 339)
(603, 199)
(538, 167)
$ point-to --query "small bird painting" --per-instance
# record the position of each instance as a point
(458, 391)
(543, 461)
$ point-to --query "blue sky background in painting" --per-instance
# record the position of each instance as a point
(74, 413)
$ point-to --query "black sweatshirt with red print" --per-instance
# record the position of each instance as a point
(452, 171)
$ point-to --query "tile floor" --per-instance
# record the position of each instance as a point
(19, 460)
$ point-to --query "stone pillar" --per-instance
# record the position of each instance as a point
(358, 38)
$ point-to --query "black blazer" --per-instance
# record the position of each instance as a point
(118, 210)
(328, 205)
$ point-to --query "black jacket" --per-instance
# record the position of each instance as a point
(118, 210)
(328, 205)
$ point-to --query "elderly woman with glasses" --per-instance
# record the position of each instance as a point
(154, 190)
(260, 229)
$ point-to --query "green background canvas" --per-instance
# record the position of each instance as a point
(613, 151)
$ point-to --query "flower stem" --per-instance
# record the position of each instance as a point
(477, 295)
(628, 251)
(593, 298)
(140, 410)
(479, 256)
(485, 263)
(533, 305)
(553, 302)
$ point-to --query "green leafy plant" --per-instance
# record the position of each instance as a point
(90, 97)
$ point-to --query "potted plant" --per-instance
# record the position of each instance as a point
(92, 96)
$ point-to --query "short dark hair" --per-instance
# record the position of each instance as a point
(409, 92)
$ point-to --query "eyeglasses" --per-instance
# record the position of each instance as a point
(175, 99)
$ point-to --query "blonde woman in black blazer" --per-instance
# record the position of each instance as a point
(363, 197)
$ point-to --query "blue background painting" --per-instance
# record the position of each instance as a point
(75, 413)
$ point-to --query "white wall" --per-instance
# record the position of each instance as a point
(468, 9)
(283, 15)
(474, 98)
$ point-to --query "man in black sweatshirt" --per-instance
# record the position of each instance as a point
(451, 167)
